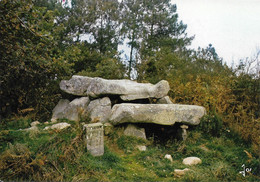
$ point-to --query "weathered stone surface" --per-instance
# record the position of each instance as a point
(164, 100)
(141, 147)
(184, 126)
(180, 172)
(58, 126)
(77, 85)
(133, 130)
(70, 110)
(35, 123)
(33, 128)
(76, 108)
(182, 132)
(164, 114)
(99, 110)
(191, 161)
(169, 157)
(95, 138)
(58, 111)
(127, 89)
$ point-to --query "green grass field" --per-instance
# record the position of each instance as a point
(61, 156)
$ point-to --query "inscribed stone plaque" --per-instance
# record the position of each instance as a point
(95, 138)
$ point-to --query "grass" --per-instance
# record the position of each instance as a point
(61, 156)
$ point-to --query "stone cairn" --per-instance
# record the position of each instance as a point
(113, 102)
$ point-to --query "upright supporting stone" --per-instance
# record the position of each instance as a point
(184, 132)
(133, 130)
(95, 138)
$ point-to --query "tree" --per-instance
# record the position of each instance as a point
(132, 27)
(207, 61)
(161, 32)
(105, 25)
(79, 19)
(162, 28)
(247, 85)
(27, 65)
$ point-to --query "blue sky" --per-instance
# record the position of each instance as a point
(231, 26)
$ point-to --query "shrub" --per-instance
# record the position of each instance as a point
(211, 124)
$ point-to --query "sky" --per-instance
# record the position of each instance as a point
(231, 26)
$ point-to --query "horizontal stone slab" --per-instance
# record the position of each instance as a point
(126, 89)
(163, 114)
(77, 85)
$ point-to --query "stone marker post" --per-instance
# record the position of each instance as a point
(184, 134)
(95, 138)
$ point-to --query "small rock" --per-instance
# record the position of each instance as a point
(46, 122)
(180, 172)
(141, 147)
(47, 127)
(164, 100)
(58, 126)
(191, 161)
(53, 120)
(169, 157)
(35, 123)
(33, 128)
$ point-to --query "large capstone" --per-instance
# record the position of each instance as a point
(163, 114)
(126, 89)
(77, 85)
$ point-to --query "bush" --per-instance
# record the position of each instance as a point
(211, 124)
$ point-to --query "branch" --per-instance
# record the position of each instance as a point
(24, 25)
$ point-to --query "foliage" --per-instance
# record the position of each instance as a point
(162, 28)
(211, 124)
(62, 156)
(132, 16)
(202, 79)
(43, 42)
(27, 66)
(107, 68)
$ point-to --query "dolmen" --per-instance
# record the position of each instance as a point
(123, 101)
